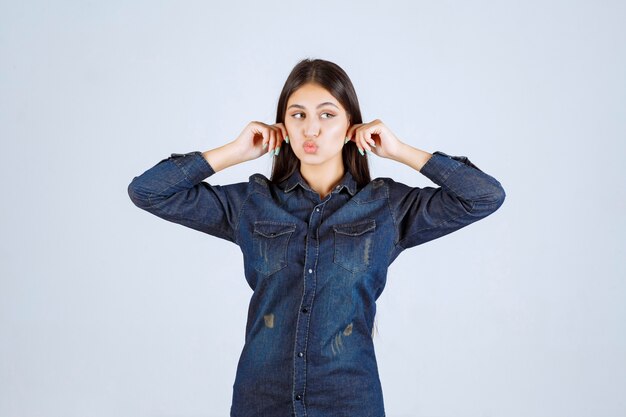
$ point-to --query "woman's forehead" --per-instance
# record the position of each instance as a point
(312, 96)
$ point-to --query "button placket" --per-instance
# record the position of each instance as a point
(308, 293)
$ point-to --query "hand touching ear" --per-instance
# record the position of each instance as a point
(258, 138)
(375, 137)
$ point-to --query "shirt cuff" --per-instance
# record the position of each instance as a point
(441, 165)
(194, 165)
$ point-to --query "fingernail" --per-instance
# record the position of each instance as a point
(373, 145)
(361, 150)
(287, 139)
(277, 150)
(264, 145)
(347, 140)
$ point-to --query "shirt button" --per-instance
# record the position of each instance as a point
(310, 271)
(317, 209)
(300, 354)
(298, 397)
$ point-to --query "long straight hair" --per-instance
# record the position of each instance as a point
(335, 80)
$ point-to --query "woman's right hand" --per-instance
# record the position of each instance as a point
(258, 138)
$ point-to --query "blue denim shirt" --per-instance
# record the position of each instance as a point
(316, 267)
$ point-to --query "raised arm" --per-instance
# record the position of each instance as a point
(465, 193)
(174, 189)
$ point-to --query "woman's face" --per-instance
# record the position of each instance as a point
(316, 124)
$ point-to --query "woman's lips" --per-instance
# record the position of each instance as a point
(309, 146)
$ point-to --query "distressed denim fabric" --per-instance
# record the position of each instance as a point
(316, 267)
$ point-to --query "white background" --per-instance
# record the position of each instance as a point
(106, 310)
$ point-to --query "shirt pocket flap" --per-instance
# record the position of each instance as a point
(273, 229)
(355, 229)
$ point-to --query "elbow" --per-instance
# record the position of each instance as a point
(137, 194)
(497, 198)
(490, 201)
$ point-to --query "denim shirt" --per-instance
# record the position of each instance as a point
(316, 267)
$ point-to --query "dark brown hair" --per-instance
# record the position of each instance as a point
(335, 80)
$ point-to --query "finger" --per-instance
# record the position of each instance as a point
(359, 142)
(367, 135)
(350, 133)
(278, 134)
(263, 133)
(283, 130)
(281, 134)
(270, 148)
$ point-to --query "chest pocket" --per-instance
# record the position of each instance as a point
(270, 242)
(353, 245)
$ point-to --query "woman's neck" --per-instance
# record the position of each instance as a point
(323, 178)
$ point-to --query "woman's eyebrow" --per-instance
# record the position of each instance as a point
(302, 107)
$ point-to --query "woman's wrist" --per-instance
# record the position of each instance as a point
(411, 156)
(223, 157)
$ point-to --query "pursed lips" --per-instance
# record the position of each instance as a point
(309, 145)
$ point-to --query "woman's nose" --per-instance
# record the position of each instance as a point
(312, 129)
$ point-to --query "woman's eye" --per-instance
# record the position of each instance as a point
(296, 114)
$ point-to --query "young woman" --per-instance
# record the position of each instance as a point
(317, 238)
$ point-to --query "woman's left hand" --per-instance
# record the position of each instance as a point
(376, 138)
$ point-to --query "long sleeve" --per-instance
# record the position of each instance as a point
(174, 190)
(466, 195)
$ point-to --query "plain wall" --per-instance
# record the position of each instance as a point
(106, 310)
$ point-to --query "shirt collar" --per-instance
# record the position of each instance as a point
(347, 181)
